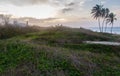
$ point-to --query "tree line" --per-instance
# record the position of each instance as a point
(100, 13)
(6, 19)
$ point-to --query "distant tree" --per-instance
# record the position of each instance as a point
(96, 13)
(110, 19)
(1, 18)
(5, 18)
(27, 22)
(15, 22)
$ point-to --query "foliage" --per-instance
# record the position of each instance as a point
(59, 52)
(9, 31)
(98, 12)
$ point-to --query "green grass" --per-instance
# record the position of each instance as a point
(59, 52)
(15, 55)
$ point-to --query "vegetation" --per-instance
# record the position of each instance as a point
(111, 18)
(98, 12)
(59, 51)
(10, 30)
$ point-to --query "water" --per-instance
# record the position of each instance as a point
(103, 42)
(116, 30)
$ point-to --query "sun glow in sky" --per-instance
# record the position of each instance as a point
(74, 13)
(35, 11)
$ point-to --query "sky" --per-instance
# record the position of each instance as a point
(73, 13)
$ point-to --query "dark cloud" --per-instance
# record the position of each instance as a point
(64, 10)
(71, 4)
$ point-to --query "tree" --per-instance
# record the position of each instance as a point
(103, 14)
(96, 12)
(1, 18)
(15, 22)
(111, 18)
(5, 18)
(27, 20)
(107, 11)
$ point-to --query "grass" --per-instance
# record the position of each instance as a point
(16, 55)
(59, 51)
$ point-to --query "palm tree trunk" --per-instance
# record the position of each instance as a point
(111, 28)
(103, 25)
(99, 24)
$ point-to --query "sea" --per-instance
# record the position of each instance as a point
(116, 30)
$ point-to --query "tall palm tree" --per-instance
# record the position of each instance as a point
(111, 18)
(107, 11)
(103, 14)
(96, 12)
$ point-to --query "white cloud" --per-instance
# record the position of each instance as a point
(23, 2)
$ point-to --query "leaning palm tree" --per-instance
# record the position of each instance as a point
(111, 18)
(96, 13)
(107, 11)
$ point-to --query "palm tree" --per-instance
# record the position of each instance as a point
(107, 11)
(111, 18)
(96, 12)
(103, 14)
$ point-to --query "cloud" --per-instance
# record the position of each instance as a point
(34, 2)
(23, 2)
(71, 8)
(70, 4)
(54, 2)
(103, 1)
(64, 10)
(41, 22)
